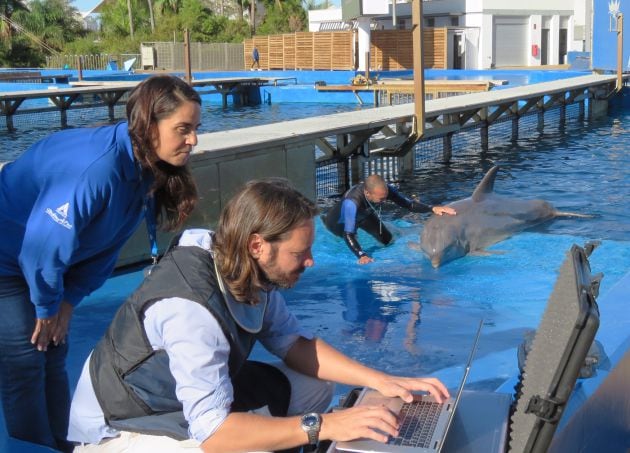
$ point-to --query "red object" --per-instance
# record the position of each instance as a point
(534, 50)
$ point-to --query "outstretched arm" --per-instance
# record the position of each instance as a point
(415, 205)
(317, 358)
(406, 202)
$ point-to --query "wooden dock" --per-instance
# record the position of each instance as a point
(32, 77)
(225, 86)
(433, 89)
(442, 116)
(110, 92)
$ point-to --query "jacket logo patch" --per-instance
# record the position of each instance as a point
(60, 215)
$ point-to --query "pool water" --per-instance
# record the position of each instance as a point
(33, 127)
(399, 314)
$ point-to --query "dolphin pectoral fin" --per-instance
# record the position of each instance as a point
(573, 214)
(415, 246)
(487, 252)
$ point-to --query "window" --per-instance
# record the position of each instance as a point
(454, 21)
(430, 22)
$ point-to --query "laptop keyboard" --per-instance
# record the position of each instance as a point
(417, 423)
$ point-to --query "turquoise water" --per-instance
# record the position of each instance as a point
(401, 315)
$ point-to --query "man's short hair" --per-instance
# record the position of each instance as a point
(373, 182)
(269, 207)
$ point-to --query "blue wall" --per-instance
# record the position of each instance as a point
(605, 41)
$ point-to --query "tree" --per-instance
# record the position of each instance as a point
(151, 16)
(115, 18)
(168, 5)
(310, 5)
(52, 21)
(287, 17)
(7, 8)
(130, 18)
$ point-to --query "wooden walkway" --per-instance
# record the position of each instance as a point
(444, 115)
(32, 77)
(110, 93)
(433, 89)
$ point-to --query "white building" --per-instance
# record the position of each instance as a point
(485, 34)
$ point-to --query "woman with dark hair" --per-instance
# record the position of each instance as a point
(67, 206)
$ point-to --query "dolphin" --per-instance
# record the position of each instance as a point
(483, 219)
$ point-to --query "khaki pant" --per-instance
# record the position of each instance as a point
(140, 443)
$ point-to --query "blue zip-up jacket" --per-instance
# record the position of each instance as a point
(67, 206)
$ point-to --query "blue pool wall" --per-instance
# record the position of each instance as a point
(299, 86)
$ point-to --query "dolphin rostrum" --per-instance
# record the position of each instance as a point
(482, 220)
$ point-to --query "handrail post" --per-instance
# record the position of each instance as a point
(418, 69)
(619, 84)
(187, 56)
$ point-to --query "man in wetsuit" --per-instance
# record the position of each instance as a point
(360, 208)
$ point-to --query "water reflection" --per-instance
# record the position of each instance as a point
(371, 305)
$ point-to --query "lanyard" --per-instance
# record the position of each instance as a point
(148, 207)
(149, 219)
(378, 214)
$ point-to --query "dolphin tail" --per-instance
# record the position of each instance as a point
(573, 214)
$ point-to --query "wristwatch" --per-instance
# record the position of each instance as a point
(311, 424)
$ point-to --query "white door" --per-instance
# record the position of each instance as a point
(510, 43)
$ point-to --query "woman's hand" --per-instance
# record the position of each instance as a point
(54, 328)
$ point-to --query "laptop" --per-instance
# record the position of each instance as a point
(424, 423)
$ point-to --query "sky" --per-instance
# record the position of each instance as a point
(86, 5)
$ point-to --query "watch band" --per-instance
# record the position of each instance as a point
(313, 437)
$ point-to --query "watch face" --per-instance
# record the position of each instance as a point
(310, 420)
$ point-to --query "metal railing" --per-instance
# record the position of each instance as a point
(93, 61)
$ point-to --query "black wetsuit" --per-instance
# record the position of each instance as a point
(354, 211)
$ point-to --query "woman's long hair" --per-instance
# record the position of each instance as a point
(174, 188)
(268, 207)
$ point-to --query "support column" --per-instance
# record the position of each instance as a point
(447, 147)
(514, 128)
(483, 131)
(342, 167)
(363, 24)
(541, 121)
(356, 162)
(407, 162)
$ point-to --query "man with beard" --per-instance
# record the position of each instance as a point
(173, 363)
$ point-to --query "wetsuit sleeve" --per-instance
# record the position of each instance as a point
(50, 245)
(349, 216)
(405, 202)
(353, 244)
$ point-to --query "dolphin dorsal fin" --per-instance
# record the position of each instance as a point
(486, 186)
